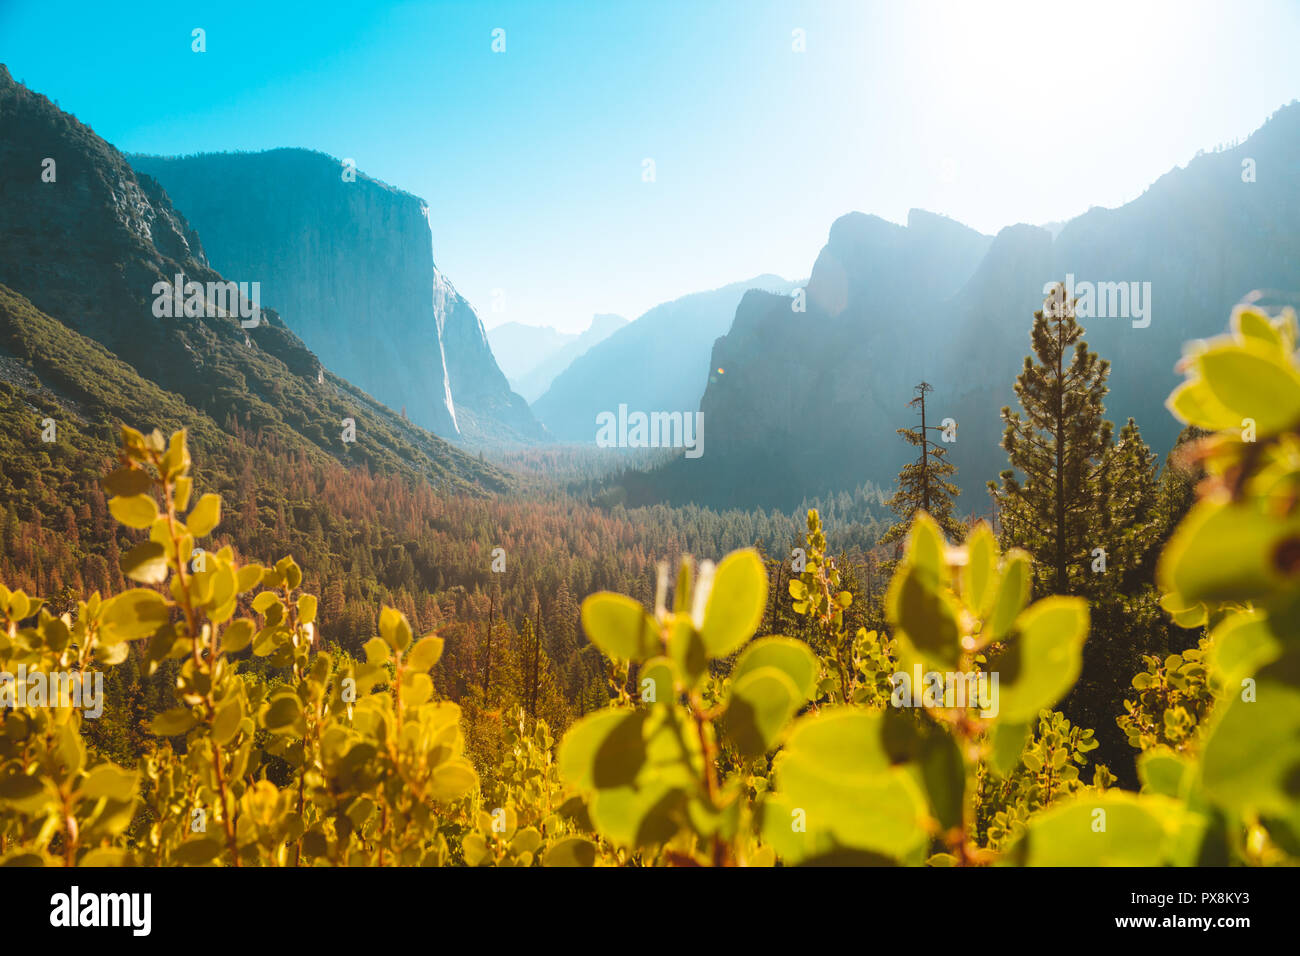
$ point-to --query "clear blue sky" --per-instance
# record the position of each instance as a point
(531, 159)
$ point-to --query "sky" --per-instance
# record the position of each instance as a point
(533, 158)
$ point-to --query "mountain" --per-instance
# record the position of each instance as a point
(88, 242)
(657, 362)
(811, 406)
(532, 356)
(519, 348)
(808, 401)
(350, 259)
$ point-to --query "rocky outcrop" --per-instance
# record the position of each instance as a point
(349, 259)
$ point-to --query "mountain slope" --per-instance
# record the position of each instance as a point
(93, 247)
(658, 362)
(538, 354)
(351, 261)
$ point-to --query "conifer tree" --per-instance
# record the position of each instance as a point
(1059, 443)
(531, 665)
(1089, 511)
(924, 484)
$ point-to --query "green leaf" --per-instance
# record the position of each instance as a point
(453, 780)
(979, 577)
(736, 603)
(1225, 552)
(1242, 644)
(134, 511)
(394, 628)
(835, 778)
(205, 516)
(662, 678)
(944, 775)
(226, 723)
(1115, 828)
(107, 780)
(619, 627)
(1193, 403)
(1184, 615)
(925, 548)
(1164, 772)
(237, 635)
(1252, 324)
(1251, 756)
(426, 652)
(638, 817)
(1252, 380)
(146, 563)
(377, 651)
(196, 852)
(25, 794)
(686, 649)
(925, 616)
(265, 600)
(1012, 595)
(760, 704)
(283, 713)
(1042, 660)
(171, 723)
(571, 851)
(788, 655)
(603, 750)
(131, 615)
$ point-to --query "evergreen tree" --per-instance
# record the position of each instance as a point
(924, 484)
(1089, 510)
(1059, 443)
(531, 667)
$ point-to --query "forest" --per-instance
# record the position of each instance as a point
(315, 663)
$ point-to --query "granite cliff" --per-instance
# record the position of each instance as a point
(350, 260)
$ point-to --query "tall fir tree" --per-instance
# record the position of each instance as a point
(924, 484)
(1089, 510)
(1059, 442)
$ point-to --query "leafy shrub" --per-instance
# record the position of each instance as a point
(376, 763)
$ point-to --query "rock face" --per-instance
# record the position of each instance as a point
(658, 362)
(810, 403)
(93, 244)
(350, 260)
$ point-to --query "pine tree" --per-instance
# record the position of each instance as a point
(531, 665)
(924, 484)
(1089, 511)
(1059, 443)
